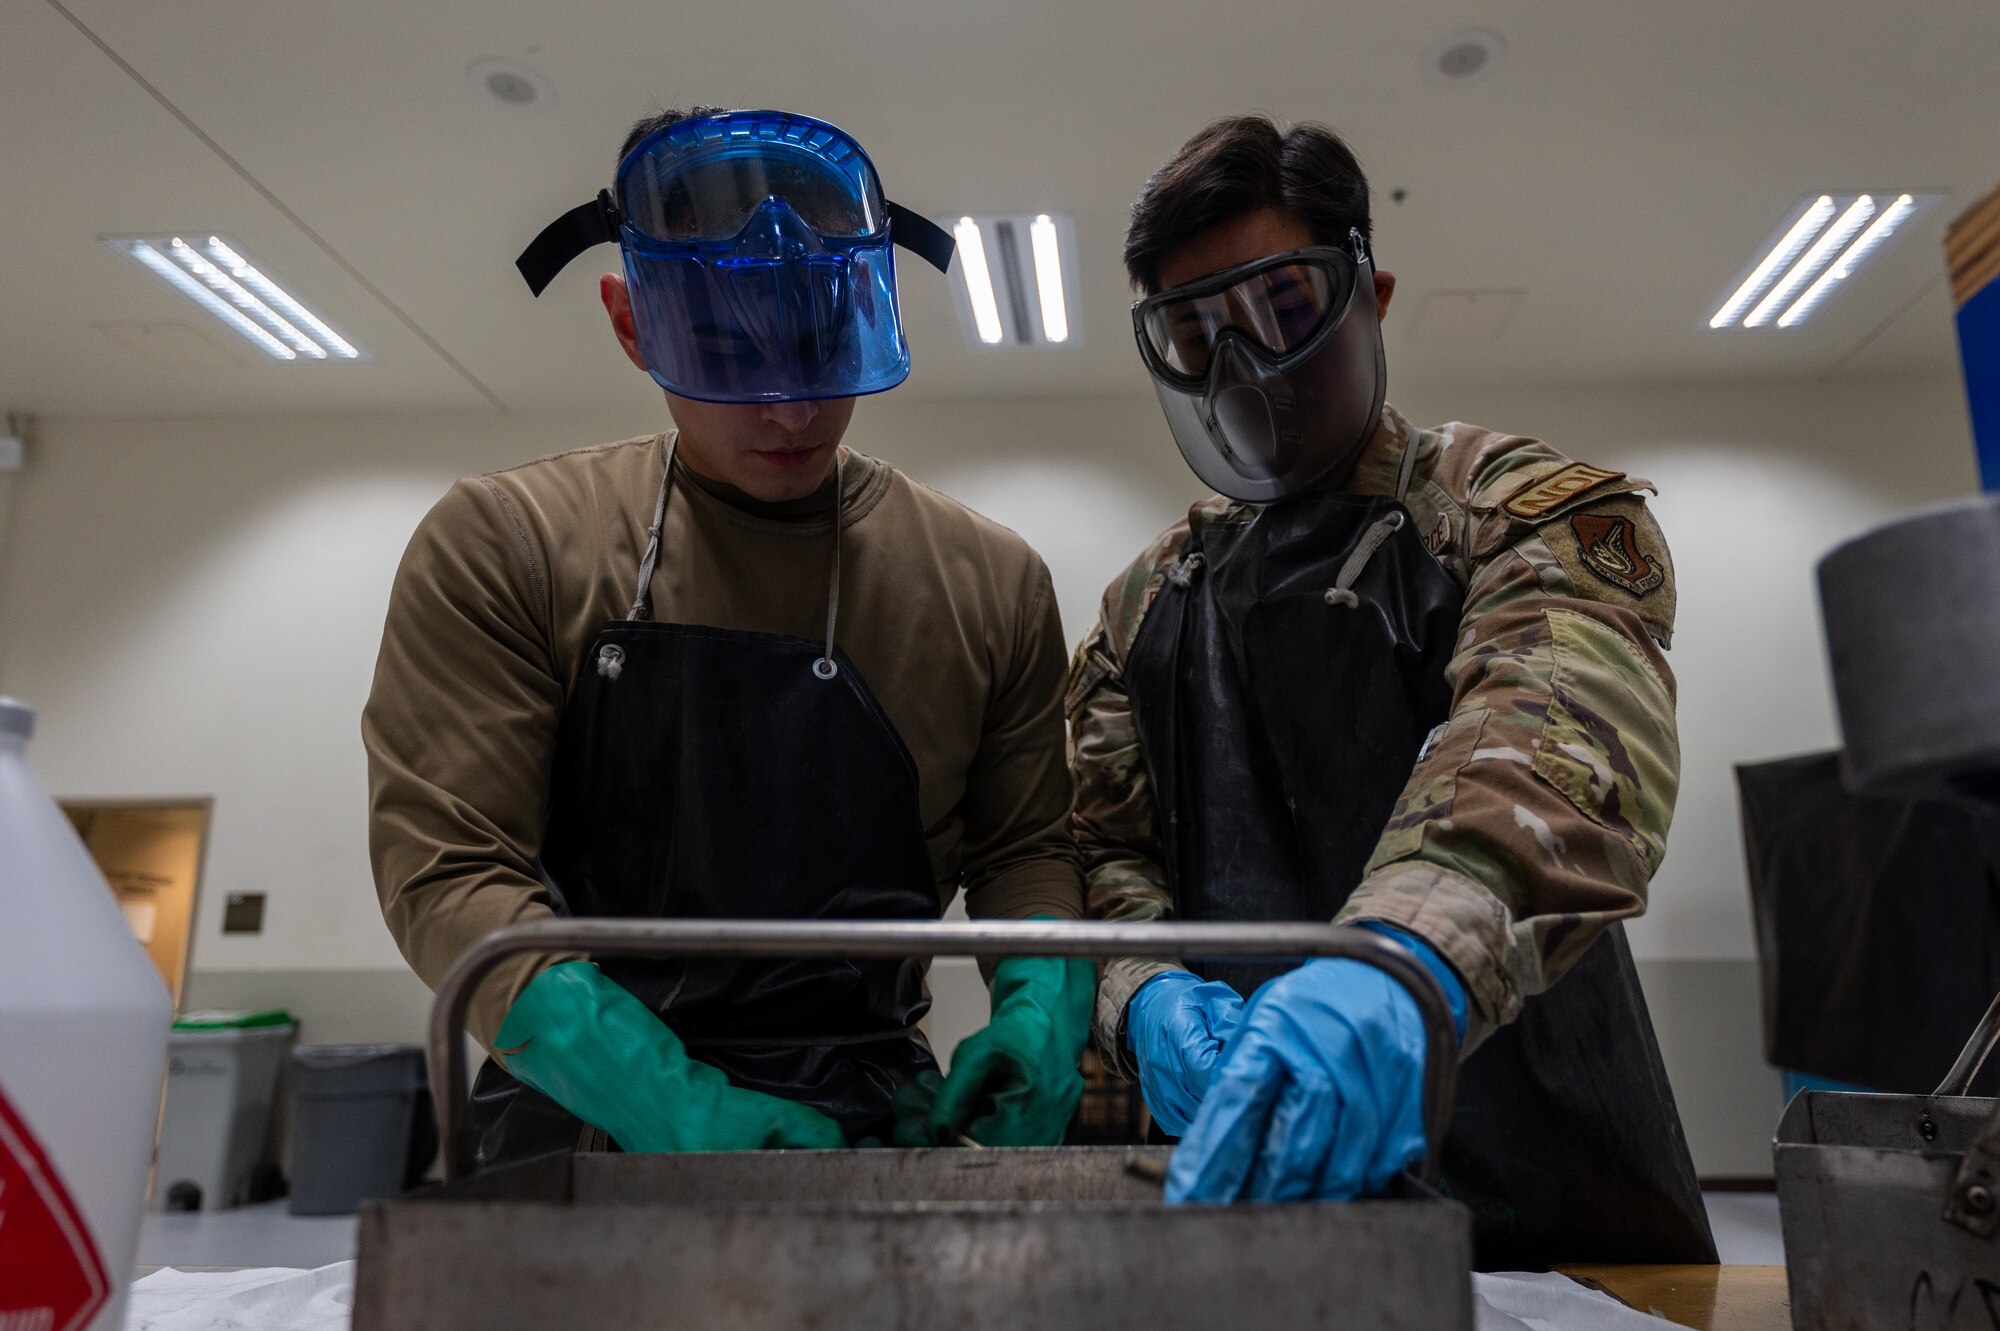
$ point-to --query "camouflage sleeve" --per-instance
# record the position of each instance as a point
(1538, 813)
(1117, 831)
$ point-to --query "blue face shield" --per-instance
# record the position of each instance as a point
(758, 251)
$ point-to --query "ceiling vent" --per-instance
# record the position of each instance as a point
(169, 345)
(511, 85)
(1464, 56)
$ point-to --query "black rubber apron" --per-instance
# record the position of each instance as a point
(1284, 680)
(714, 773)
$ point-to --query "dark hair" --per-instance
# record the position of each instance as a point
(1237, 166)
(660, 120)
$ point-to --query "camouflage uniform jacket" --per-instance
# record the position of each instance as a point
(1537, 813)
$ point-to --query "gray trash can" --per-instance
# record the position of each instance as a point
(222, 1079)
(360, 1125)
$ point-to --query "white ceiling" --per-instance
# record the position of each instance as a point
(1618, 168)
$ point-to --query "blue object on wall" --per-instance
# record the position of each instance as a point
(1800, 1081)
(1979, 349)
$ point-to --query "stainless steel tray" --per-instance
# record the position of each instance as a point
(1890, 1204)
(972, 1240)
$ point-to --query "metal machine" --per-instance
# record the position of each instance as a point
(976, 1240)
(1891, 1203)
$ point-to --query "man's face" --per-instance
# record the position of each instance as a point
(771, 451)
(1243, 239)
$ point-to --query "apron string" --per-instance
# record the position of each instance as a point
(1409, 467)
(825, 667)
(643, 593)
(1342, 591)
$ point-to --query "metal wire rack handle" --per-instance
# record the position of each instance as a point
(1973, 1057)
(1009, 938)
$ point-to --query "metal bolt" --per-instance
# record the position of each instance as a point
(1978, 1200)
(1927, 1129)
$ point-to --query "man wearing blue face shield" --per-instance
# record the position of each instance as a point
(731, 670)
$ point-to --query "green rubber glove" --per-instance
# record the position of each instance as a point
(586, 1043)
(1014, 1082)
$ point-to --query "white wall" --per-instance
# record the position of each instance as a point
(194, 605)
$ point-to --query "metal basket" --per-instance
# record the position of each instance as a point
(973, 1240)
(1890, 1203)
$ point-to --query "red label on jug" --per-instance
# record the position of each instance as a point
(51, 1278)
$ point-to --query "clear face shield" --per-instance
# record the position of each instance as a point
(758, 252)
(1271, 373)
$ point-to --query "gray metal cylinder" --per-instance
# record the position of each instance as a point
(1912, 613)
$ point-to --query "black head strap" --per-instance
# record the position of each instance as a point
(597, 223)
(921, 236)
(583, 226)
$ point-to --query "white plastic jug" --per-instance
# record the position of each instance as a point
(83, 1029)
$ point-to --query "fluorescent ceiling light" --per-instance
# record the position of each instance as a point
(239, 296)
(1782, 253)
(978, 281)
(1809, 264)
(1878, 231)
(1020, 279)
(1825, 239)
(208, 300)
(1048, 279)
(241, 269)
(214, 274)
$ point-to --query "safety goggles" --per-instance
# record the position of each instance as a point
(757, 250)
(703, 180)
(1279, 304)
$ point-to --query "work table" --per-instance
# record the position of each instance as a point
(1708, 1298)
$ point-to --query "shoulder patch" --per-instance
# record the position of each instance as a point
(1538, 497)
(1610, 547)
(1612, 551)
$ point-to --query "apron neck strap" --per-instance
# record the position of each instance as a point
(641, 608)
(642, 595)
(825, 668)
(1409, 467)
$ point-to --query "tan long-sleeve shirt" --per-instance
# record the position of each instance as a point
(950, 618)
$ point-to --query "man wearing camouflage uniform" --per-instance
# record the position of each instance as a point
(1410, 680)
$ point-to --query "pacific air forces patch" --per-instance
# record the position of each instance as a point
(1610, 547)
(1612, 551)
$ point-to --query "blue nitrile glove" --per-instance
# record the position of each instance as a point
(1176, 1026)
(1440, 969)
(1014, 1082)
(584, 1041)
(1320, 1092)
